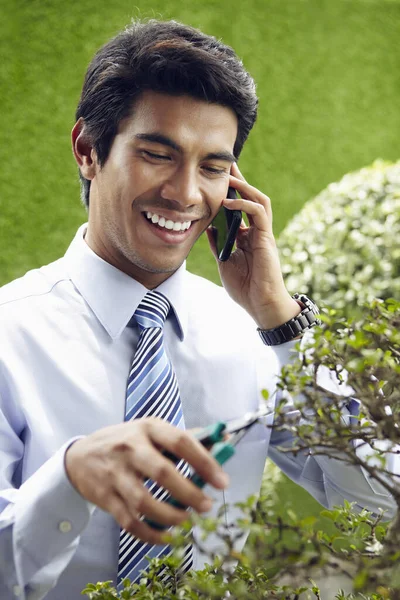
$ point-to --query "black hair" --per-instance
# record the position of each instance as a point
(166, 57)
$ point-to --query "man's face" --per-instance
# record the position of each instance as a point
(163, 182)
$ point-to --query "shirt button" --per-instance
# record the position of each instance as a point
(17, 591)
(64, 526)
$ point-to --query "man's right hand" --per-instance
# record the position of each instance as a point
(109, 468)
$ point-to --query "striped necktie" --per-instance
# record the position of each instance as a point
(152, 390)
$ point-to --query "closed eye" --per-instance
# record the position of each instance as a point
(214, 171)
(155, 156)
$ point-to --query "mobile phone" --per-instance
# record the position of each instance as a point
(225, 227)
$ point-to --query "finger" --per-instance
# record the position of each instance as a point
(131, 521)
(183, 444)
(249, 192)
(236, 172)
(153, 465)
(256, 213)
(210, 231)
(139, 500)
(147, 533)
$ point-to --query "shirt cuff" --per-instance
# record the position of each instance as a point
(286, 353)
(49, 516)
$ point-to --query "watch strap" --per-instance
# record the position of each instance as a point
(295, 327)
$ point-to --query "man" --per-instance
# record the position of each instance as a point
(162, 119)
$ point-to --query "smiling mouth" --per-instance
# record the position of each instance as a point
(168, 224)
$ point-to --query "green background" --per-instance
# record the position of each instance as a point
(328, 79)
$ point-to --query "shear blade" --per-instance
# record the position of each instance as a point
(247, 421)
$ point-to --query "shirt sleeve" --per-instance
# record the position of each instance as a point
(331, 480)
(40, 521)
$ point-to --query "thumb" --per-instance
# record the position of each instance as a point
(211, 240)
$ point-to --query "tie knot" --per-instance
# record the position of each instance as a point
(152, 311)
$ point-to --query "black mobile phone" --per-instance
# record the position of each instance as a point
(225, 227)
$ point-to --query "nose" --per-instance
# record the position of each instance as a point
(182, 187)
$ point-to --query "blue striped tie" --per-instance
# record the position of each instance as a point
(152, 391)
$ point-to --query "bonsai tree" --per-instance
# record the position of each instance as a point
(363, 356)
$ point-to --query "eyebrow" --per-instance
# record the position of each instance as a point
(164, 140)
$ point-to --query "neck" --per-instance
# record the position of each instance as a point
(148, 279)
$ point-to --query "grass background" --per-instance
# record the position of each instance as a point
(328, 80)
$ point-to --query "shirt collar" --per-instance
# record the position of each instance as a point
(112, 295)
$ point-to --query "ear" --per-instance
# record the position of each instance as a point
(85, 154)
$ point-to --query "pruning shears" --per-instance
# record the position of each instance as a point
(220, 439)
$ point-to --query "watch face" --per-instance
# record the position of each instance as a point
(307, 302)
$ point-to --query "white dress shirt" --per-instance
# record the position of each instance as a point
(66, 345)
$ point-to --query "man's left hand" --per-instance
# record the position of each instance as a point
(252, 275)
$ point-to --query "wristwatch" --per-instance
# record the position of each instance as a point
(292, 329)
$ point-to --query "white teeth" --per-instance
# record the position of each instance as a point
(168, 223)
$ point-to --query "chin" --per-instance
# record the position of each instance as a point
(158, 267)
